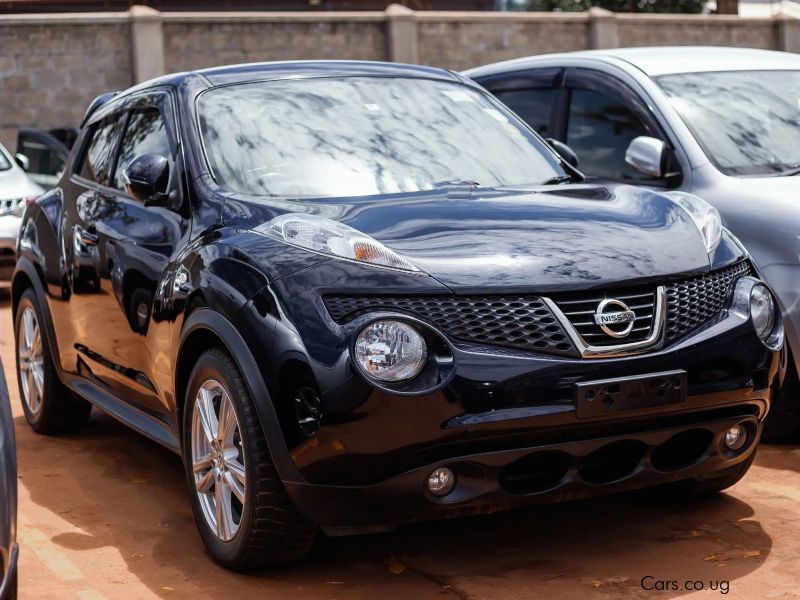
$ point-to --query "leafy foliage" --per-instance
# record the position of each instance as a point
(643, 6)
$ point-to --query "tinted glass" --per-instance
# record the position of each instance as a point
(145, 133)
(532, 105)
(98, 160)
(748, 122)
(45, 164)
(599, 130)
(363, 136)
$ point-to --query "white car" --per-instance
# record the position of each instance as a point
(16, 190)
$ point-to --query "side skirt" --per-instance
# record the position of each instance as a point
(125, 413)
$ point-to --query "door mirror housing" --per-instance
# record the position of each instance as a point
(648, 155)
(146, 179)
(564, 152)
(23, 161)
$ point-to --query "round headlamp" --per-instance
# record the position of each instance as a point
(390, 351)
(762, 311)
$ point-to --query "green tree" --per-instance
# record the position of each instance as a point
(642, 6)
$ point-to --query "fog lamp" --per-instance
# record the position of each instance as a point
(735, 437)
(390, 351)
(441, 481)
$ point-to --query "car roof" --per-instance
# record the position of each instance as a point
(298, 69)
(664, 60)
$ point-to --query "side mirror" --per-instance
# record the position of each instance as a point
(647, 155)
(146, 179)
(564, 151)
(23, 161)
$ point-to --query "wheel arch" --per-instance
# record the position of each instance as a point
(204, 329)
(28, 275)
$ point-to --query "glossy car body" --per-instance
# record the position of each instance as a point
(8, 498)
(132, 295)
(630, 87)
(15, 190)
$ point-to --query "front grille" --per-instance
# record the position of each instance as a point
(580, 310)
(694, 302)
(9, 204)
(525, 322)
(522, 322)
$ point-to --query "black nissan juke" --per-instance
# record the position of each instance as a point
(353, 295)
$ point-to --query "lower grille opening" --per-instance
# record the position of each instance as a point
(537, 472)
(612, 462)
(681, 450)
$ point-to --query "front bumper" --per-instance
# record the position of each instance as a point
(492, 481)
(9, 227)
(8, 585)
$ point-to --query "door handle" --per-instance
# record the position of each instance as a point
(88, 238)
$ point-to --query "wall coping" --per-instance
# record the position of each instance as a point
(108, 18)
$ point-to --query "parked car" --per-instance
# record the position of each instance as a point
(722, 123)
(16, 190)
(45, 153)
(8, 498)
(354, 295)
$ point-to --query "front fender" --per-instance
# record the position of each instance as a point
(208, 320)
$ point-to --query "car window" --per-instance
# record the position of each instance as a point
(99, 157)
(146, 133)
(533, 105)
(747, 122)
(5, 164)
(599, 130)
(363, 136)
(45, 165)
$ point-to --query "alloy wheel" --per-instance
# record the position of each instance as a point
(31, 362)
(218, 460)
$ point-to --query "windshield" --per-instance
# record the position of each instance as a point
(5, 165)
(747, 122)
(360, 136)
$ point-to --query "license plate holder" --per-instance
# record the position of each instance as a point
(611, 396)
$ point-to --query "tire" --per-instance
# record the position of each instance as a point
(695, 489)
(49, 408)
(269, 529)
(783, 420)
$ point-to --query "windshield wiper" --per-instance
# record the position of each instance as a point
(559, 179)
(790, 171)
(457, 183)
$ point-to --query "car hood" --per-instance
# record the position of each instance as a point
(564, 237)
(14, 183)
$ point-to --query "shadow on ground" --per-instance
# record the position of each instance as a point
(124, 491)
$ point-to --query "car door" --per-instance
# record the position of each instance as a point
(46, 156)
(602, 117)
(535, 95)
(126, 247)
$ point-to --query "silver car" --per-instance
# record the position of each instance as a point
(722, 123)
(16, 190)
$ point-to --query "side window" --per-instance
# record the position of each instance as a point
(599, 130)
(146, 133)
(99, 158)
(532, 105)
(45, 165)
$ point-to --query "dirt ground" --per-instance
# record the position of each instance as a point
(104, 514)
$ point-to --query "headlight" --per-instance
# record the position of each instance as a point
(390, 351)
(705, 217)
(762, 311)
(326, 236)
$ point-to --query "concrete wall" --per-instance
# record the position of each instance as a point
(51, 66)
